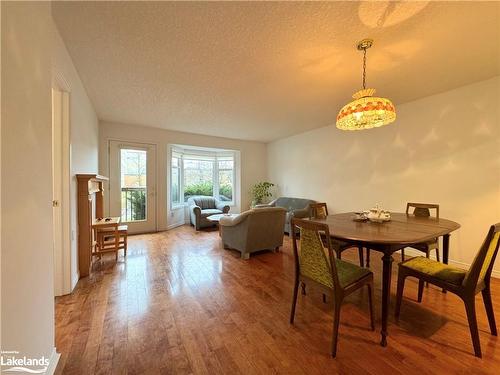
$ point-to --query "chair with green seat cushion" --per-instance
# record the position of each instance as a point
(419, 210)
(465, 284)
(319, 211)
(316, 265)
(442, 271)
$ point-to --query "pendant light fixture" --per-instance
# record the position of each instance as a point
(366, 111)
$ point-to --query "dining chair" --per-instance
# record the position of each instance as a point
(317, 265)
(465, 284)
(423, 210)
(320, 211)
(420, 210)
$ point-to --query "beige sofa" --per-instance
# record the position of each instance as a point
(254, 230)
(295, 207)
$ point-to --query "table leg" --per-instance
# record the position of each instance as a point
(386, 294)
(446, 250)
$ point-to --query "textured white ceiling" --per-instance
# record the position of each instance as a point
(262, 71)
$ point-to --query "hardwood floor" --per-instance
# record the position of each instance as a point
(180, 304)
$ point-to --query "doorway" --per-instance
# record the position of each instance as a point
(132, 185)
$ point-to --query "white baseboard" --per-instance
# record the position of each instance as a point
(172, 226)
(76, 277)
(54, 359)
(462, 265)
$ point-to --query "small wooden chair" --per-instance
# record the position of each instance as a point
(320, 211)
(112, 239)
(465, 284)
(317, 265)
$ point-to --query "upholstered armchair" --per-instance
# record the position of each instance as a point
(253, 230)
(202, 207)
(295, 207)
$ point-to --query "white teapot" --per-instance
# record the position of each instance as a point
(378, 215)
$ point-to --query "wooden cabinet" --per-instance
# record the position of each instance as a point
(90, 206)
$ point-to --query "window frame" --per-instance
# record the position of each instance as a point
(181, 151)
(179, 178)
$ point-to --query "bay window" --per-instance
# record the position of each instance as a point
(207, 172)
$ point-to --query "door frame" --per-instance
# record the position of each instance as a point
(154, 167)
(61, 183)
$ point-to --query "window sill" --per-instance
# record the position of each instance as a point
(178, 206)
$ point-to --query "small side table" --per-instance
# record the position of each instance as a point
(216, 218)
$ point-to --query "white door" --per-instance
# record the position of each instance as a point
(132, 185)
(60, 189)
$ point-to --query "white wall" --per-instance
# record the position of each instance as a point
(253, 158)
(84, 135)
(442, 149)
(27, 310)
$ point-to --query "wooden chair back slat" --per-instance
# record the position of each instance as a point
(318, 210)
(422, 209)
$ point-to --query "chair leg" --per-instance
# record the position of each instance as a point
(427, 255)
(489, 309)
(324, 298)
(361, 260)
(420, 290)
(399, 293)
(402, 255)
(470, 308)
(370, 301)
(336, 321)
(437, 255)
(125, 245)
(294, 301)
(303, 286)
(367, 257)
(339, 254)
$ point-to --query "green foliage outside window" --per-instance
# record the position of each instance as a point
(207, 189)
(226, 191)
(201, 188)
(134, 204)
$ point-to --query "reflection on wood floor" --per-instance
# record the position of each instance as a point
(180, 304)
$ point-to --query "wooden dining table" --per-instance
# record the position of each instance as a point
(388, 237)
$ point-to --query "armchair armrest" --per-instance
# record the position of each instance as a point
(195, 209)
(301, 213)
(222, 206)
(263, 205)
(231, 221)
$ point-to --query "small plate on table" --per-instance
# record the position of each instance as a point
(359, 217)
(380, 220)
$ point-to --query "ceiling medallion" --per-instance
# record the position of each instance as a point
(366, 111)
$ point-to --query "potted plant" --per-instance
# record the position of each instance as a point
(261, 192)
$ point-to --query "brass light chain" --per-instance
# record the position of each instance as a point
(364, 68)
